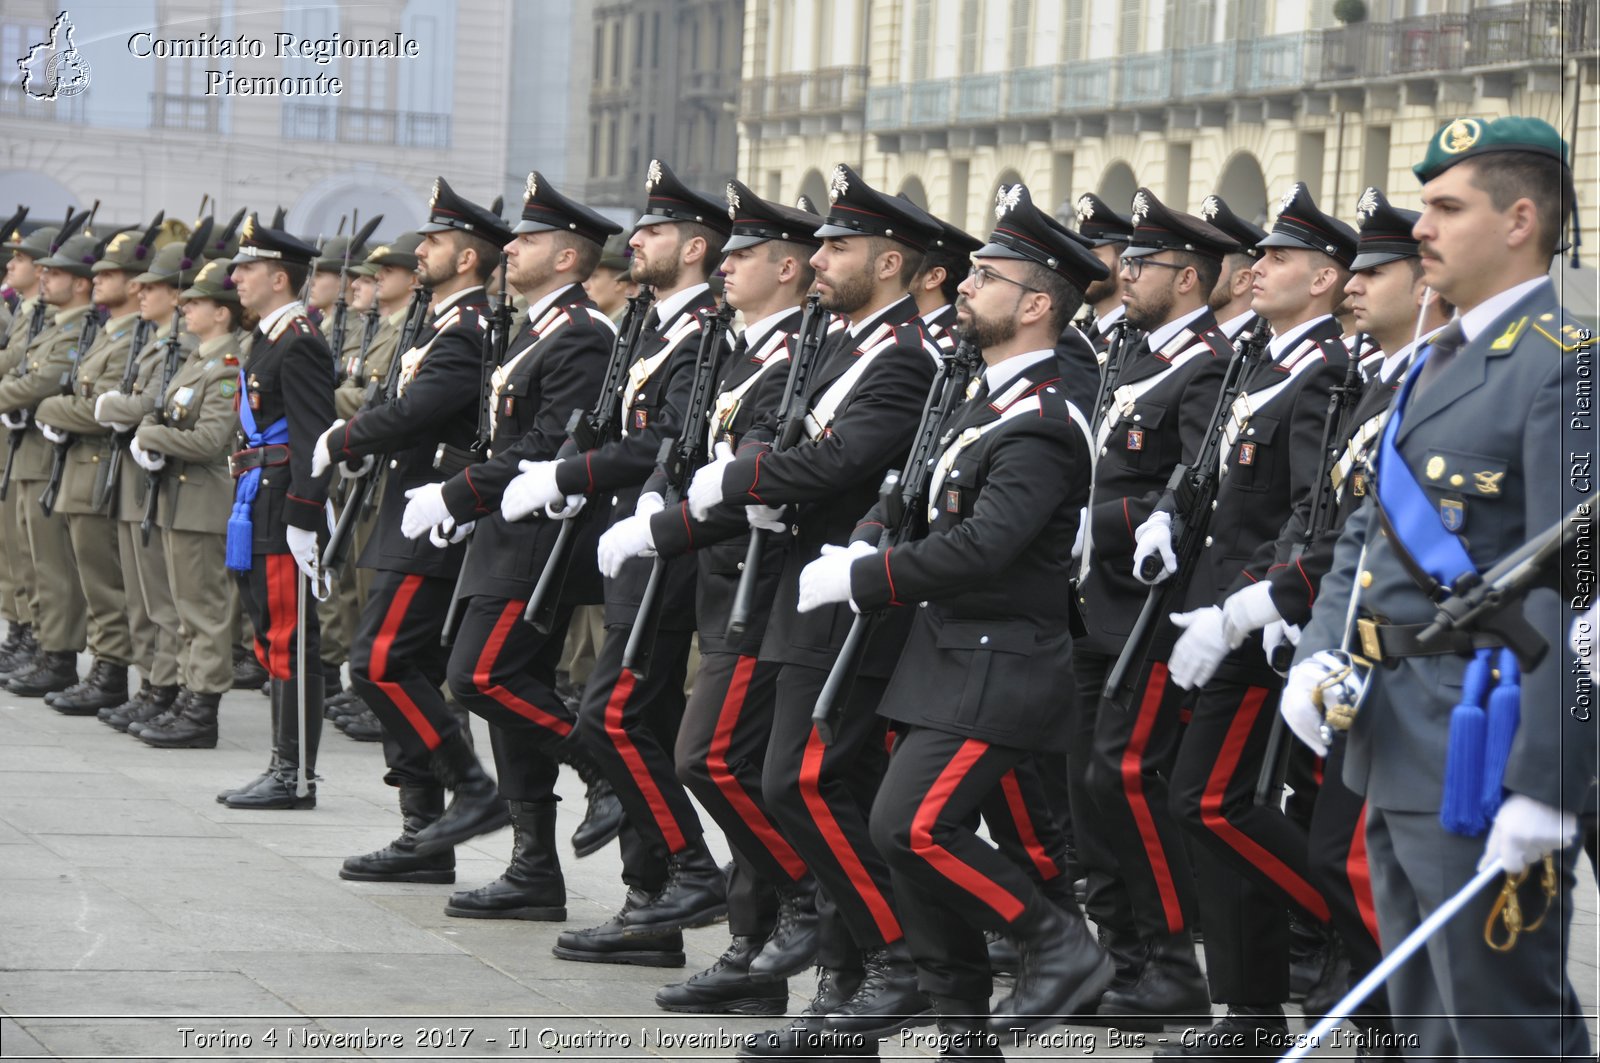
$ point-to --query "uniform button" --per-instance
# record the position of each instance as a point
(1213, 505)
(955, 473)
(394, 463)
(741, 566)
(613, 500)
(94, 457)
(1249, 431)
(983, 641)
(922, 605)
(1208, 540)
(794, 529)
(183, 479)
(1138, 417)
(1366, 578)
(1102, 452)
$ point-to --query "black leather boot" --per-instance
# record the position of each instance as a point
(15, 639)
(887, 998)
(193, 728)
(1246, 1031)
(1169, 990)
(332, 682)
(273, 764)
(792, 945)
(399, 861)
(727, 987)
(1062, 969)
(117, 716)
(248, 673)
(1004, 956)
(613, 942)
(694, 894)
(964, 1029)
(22, 654)
(602, 819)
(280, 790)
(476, 806)
(162, 717)
(106, 685)
(804, 1037)
(364, 726)
(532, 886)
(1332, 983)
(53, 670)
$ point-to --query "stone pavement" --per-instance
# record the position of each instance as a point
(142, 919)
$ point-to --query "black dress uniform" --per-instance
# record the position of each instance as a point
(1271, 458)
(288, 404)
(1215, 210)
(396, 663)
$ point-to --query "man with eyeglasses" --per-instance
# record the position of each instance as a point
(1141, 892)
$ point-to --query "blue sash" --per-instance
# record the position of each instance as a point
(1480, 740)
(240, 534)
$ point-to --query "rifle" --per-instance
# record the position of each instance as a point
(171, 359)
(359, 505)
(36, 323)
(1198, 483)
(496, 339)
(587, 429)
(69, 384)
(902, 497)
(680, 457)
(341, 305)
(1108, 379)
(791, 421)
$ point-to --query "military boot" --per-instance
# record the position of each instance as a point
(53, 670)
(364, 726)
(727, 987)
(162, 716)
(803, 1037)
(602, 819)
(280, 790)
(694, 894)
(1246, 1031)
(15, 638)
(1062, 969)
(273, 763)
(195, 727)
(248, 673)
(615, 942)
(532, 886)
(476, 806)
(20, 655)
(399, 861)
(105, 686)
(118, 715)
(1169, 989)
(964, 1029)
(887, 998)
(792, 945)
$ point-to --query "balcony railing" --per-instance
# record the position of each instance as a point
(1032, 90)
(359, 125)
(1145, 77)
(1087, 86)
(978, 98)
(886, 107)
(930, 103)
(828, 91)
(198, 114)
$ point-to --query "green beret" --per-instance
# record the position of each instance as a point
(1466, 138)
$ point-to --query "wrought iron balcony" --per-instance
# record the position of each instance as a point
(360, 125)
(197, 114)
(832, 90)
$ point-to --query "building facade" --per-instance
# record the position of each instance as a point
(947, 100)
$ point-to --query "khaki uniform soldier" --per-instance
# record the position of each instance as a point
(151, 612)
(46, 370)
(187, 442)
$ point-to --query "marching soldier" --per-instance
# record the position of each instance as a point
(272, 546)
(863, 402)
(943, 269)
(501, 668)
(722, 740)
(398, 664)
(1251, 859)
(1467, 468)
(187, 443)
(1230, 301)
(1107, 233)
(1140, 891)
(152, 615)
(44, 371)
(1004, 496)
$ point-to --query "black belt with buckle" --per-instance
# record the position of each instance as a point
(241, 462)
(1388, 643)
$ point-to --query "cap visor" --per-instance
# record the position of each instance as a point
(1286, 240)
(739, 243)
(654, 219)
(526, 226)
(434, 227)
(1375, 258)
(830, 231)
(993, 250)
(1141, 252)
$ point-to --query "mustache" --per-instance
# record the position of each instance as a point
(1425, 248)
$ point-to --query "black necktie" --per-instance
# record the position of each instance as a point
(652, 322)
(741, 347)
(1441, 352)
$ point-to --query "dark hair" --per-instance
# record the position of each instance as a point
(1065, 299)
(488, 253)
(1208, 269)
(910, 257)
(296, 272)
(955, 271)
(1508, 176)
(688, 230)
(588, 251)
(801, 253)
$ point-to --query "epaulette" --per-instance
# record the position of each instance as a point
(1176, 345)
(549, 318)
(883, 334)
(1304, 350)
(777, 340)
(1567, 335)
(688, 325)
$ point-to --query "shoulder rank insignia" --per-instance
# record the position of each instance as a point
(1452, 513)
(1568, 337)
(230, 359)
(1435, 467)
(1488, 483)
(1508, 338)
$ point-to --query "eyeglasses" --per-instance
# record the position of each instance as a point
(1135, 266)
(981, 275)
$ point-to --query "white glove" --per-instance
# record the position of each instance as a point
(626, 539)
(303, 545)
(827, 579)
(1524, 831)
(15, 419)
(1154, 538)
(449, 533)
(767, 518)
(1277, 633)
(1297, 708)
(147, 460)
(705, 490)
(566, 508)
(1083, 527)
(322, 450)
(52, 433)
(533, 489)
(99, 412)
(355, 472)
(1246, 610)
(425, 509)
(650, 503)
(1200, 648)
(1582, 638)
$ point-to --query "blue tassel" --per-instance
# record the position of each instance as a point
(240, 534)
(1505, 714)
(1461, 810)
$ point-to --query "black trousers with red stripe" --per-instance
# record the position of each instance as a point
(722, 744)
(270, 598)
(1251, 860)
(396, 666)
(504, 672)
(1127, 778)
(1023, 822)
(950, 884)
(821, 796)
(630, 727)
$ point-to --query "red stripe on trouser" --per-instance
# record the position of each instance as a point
(378, 661)
(823, 818)
(1211, 802)
(1024, 823)
(666, 822)
(283, 614)
(483, 675)
(717, 767)
(942, 860)
(1360, 876)
(1139, 805)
